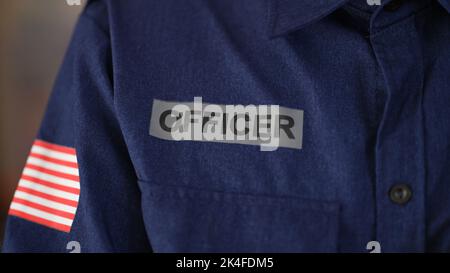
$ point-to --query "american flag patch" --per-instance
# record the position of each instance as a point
(49, 187)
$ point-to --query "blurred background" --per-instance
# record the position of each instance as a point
(34, 35)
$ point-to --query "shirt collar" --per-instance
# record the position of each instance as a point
(289, 15)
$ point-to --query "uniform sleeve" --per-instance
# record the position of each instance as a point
(78, 191)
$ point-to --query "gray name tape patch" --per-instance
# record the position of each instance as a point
(264, 125)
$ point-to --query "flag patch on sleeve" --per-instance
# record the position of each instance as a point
(49, 188)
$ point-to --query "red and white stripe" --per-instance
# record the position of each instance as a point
(49, 188)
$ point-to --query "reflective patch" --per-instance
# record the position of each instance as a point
(269, 126)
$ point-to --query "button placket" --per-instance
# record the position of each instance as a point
(399, 153)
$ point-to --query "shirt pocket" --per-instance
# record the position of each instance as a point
(181, 219)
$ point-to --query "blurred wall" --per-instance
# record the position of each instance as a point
(33, 38)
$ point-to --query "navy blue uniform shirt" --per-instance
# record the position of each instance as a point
(363, 96)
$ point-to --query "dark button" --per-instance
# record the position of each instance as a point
(393, 5)
(400, 194)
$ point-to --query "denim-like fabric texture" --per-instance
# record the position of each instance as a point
(374, 85)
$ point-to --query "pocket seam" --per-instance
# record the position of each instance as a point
(183, 192)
